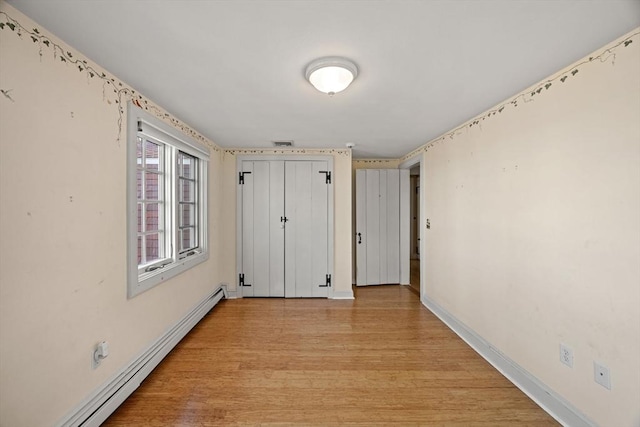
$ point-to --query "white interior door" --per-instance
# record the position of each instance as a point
(392, 231)
(371, 236)
(361, 221)
(380, 221)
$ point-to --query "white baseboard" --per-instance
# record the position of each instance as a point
(232, 295)
(227, 293)
(343, 294)
(556, 406)
(336, 295)
(106, 399)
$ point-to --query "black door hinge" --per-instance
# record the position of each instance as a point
(241, 177)
(327, 176)
(327, 283)
(241, 280)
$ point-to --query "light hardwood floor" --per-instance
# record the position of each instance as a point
(382, 359)
(414, 276)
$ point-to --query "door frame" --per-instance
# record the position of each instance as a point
(409, 164)
(330, 204)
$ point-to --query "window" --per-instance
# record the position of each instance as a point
(187, 203)
(167, 204)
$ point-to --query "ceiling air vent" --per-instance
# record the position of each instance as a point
(283, 143)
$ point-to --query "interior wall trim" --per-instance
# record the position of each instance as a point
(96, 408)
(552, 403)
(342, 295)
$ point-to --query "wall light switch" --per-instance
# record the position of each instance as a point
(100, 351)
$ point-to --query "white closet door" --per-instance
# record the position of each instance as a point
(262, 235)
(306, 236)
(384, 232)
(276, 227)
(361, 235)
(380, 226)
(393, 226)
(247, 191)
(320, 228)
(372, 226)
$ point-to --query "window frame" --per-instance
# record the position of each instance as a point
(171, 141)
(163, 199)
(195, 224)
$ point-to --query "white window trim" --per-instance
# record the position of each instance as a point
(139, 281)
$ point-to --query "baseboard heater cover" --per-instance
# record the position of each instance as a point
(103, 402)
(556, 406)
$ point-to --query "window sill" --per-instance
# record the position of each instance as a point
(148, 280)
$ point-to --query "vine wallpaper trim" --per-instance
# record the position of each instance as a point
(528, 95)
(271, 151)
(376, 161)
(122, 92)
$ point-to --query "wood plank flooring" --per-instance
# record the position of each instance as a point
(382, 359)
(414, 276)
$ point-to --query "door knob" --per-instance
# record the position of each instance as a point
(359, 238)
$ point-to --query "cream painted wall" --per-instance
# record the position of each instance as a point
(535, 232)
(527, 257)
(342, 213)
(63, 227)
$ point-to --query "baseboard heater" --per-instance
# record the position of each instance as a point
(102, 403)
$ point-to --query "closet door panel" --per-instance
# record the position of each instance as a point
(319, 229)
(361, 227)
(373, 227)
(383, 234)
(393, 226)
(298, 230)
(291, 229)
(261, 229)
(306, 241)
(276, 228)
(247, 227)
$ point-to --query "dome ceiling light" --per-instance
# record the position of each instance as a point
(331, 74)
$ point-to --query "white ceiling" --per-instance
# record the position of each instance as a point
(234, 70)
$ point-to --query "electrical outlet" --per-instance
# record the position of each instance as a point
(601, 375)
(566, 355)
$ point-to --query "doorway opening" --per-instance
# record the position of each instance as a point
(416, 216)
(414, 211)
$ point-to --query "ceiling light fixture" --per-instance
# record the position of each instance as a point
(331, 74)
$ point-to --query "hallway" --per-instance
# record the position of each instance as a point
(414, 277)
(381, 359)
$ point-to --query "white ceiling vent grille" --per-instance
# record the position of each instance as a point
(283, 143)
